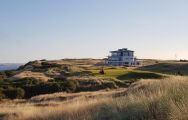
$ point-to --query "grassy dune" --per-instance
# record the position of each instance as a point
(167, 68)
(146, 93)
(150, 99)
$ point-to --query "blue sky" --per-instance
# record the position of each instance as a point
(56, 29)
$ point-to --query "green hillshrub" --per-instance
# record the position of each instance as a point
(3, 75)
(42, 88)
(1, 94)
(70, 85)
(45, 65)
(26, 81)
(13, 93)
(50, 87)
(6, 74)
(109, 84)
(9, 73)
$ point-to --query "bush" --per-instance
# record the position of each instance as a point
(71, 85)
(110, 84)
(42, 88)
(2, 76)
(58, 79)
(13, 93)
(28, 81)
(29, 87)
(1, 94)
(68, 85)
(66, 68)
(9, 73)
(49, 65)
(50, 87)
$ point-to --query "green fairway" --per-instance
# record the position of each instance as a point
(111, 72)
(127, 74)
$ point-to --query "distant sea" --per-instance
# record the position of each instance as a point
(9, 66)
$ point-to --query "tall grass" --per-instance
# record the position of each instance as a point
(153, 99)
(165, 99)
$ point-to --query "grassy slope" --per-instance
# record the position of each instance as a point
(165, 99)
(146, 99)
(167, 68)
(72, 76)
(127, 74)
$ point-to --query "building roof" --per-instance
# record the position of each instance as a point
(122, 50)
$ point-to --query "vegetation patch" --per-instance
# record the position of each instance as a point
(167, 68)
(164, 99)
(6, 74)
(135, 75)
(114, 72)
(32, 87)
(125, 74)
(92, 83)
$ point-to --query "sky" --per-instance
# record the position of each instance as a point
(57, 29)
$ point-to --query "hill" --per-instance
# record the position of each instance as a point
(171, 68)
(68, 75)
(75, 89)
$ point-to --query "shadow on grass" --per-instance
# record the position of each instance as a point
(135, 75)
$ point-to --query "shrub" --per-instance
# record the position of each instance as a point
(25, 82)
(42, 88)
(49, 65)
(71, 85)
(1, 94)
(59, 79)
(110, 84)
(2, 75)
(30, 81)
(50, 87)
(14, 93)
(9, 73)
(66, 68)
(68, 85)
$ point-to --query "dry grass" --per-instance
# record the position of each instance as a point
(55, 111)
(79, 62)
(49, 107)
(171, 68)
(152, 99)
(25, 74)
(74, 96)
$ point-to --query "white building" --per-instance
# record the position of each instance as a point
(122, 57)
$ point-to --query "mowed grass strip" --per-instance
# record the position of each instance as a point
(110, 72)
(127, 74)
